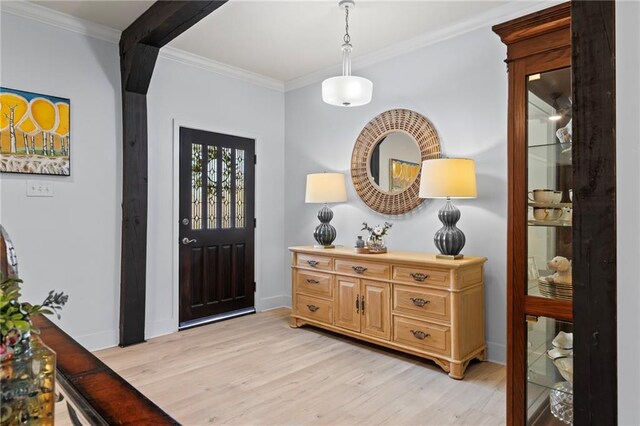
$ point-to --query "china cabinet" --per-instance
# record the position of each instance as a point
(540, 243)
(561, 276)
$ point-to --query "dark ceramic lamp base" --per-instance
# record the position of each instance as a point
(325, 233)
(449, 240)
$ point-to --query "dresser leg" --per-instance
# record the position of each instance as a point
(456, 371)
(295, 322)
(482, 356)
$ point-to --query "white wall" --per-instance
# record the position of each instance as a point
(461, 86)
(197, 98)
(71, 241)
(628, 208)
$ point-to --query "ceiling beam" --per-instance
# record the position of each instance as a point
(140, 44)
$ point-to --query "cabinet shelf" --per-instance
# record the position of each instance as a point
(552, 153)
(549, 205)
(559, 146)
(556, 223)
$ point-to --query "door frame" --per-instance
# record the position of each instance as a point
(175, 202)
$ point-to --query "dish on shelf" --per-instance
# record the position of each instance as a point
(563, 341)
(564, 364)
(561, 402)
(553, 290)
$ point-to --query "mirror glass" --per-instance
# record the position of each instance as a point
(395, 162)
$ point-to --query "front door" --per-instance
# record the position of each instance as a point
(217, 192)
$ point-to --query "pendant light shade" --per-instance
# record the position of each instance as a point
(347, 90)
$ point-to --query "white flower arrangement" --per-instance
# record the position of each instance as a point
(377, 231)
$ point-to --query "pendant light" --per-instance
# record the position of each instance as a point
(347, 90)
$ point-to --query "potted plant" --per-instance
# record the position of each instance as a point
(27, 366)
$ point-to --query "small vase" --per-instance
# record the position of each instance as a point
(376, 244)
(28, 382)
(360, 242)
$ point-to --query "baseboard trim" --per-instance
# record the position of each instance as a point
(161, 328)
(497, 353)
(269, 303)
(99, 340)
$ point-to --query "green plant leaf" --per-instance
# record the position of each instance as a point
(23, 326)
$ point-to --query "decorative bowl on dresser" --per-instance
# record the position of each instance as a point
(411, 302)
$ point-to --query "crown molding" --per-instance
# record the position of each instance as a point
(60, 20)
(486, 19)
(220, 68)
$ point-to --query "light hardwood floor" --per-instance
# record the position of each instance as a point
(257, 370)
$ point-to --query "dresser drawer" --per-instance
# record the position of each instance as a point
(422, 335)
(322, 263)
(314, 308)
(421, 275)
(313, 283)
(364, 269)
(424, 302)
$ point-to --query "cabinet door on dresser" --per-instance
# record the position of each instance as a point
(375, 303)
(347, 303)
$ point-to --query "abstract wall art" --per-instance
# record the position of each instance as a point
(402, 173)
(34, 133)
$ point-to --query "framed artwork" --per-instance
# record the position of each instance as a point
(402, 174)
(34, 133)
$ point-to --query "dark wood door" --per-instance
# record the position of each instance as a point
(217, 192)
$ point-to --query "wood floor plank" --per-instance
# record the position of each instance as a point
(256, 370)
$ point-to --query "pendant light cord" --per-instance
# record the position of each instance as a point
(347, 37)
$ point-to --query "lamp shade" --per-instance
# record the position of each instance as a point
(448, 178)
(347, 91)
(326, 188)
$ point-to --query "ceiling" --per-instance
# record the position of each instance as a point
(285, 40)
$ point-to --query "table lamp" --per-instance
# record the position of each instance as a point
(325, 188)
(448, 178)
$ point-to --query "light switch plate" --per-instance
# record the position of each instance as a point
(39, 188)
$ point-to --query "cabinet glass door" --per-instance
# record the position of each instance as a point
(549, 344)
(549, 177)
(549, 372)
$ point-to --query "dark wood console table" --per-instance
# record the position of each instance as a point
(98, 392)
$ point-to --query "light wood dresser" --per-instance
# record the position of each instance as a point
(412, 302)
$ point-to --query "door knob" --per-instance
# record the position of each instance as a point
(185, 221)
(187, 241)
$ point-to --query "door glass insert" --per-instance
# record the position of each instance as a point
(549, 372)
(549, 180)
(196, 186)
(240, 215)
(212, 187)
(226, 188)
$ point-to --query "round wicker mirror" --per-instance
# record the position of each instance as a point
(405, 198)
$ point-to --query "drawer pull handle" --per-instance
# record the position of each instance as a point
(419, 276)
(420, 335)
(357, 304)
(313, 263)
(359, 269)
(313, 308)
(418, 301)
(312, 281)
